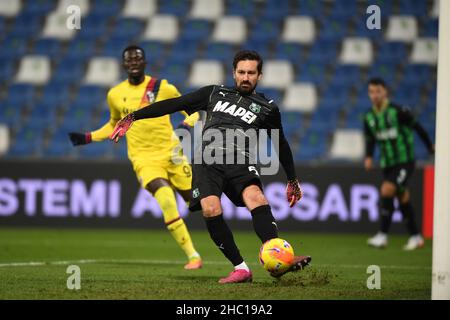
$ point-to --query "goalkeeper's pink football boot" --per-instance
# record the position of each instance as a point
(238, 276)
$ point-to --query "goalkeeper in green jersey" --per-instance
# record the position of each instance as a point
(391, 126)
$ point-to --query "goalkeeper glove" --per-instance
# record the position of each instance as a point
(293, 192)
(78, 138)
(122, 127)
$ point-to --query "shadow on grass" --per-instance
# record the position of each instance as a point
(311, 277)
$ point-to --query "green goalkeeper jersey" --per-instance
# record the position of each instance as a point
(390, 128)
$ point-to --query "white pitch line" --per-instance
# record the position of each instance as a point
(148, 261)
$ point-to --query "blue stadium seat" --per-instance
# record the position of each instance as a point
(361, 30)
(344, 9)
(28, 142)
(292, 122)
(219, 51)
(243, 8)
(408, 95)
(266, 30)
(6, 70)
(93, 26)
(431, 28)
(128, 28)
(196, 30)
(13, 46)
(260, 45)
(387, 71)
(108, 8)
(334, 30)
(290, 51)
(41, 118)
(26, 25)
(55, 94)
(60, 135)
(417, 8)
(102, 119)
(77, 119)
(48, 47)
(354, 117)
(174, 7)
(59, 148)
(38, 7)
(385, 6)
(391, 52)
(90, 96)
(176, 73)
(183, 51)
(312, 146)
(323, 51)
(155, 51)
(325, 118)
(11, 114)
(347, 75)
(312, 72)
(416, 75)
(97, 150)
(20, 94)
(311, 8)
(81, 49)
(115, 46)
(69, 70)
(275, 10)
(120, 150)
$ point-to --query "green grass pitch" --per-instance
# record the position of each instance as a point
(147, 264)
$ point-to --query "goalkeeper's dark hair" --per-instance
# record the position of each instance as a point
(377, 82)
(133, 47)
(248, 55)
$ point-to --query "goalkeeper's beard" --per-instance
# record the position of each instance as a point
(247, 90)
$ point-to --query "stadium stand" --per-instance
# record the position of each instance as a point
(318, 57)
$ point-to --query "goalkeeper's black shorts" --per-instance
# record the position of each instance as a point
(215, 179)
(399, 175)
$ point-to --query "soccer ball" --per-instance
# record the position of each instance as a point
(276, 256)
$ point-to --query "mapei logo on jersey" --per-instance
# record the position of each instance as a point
(387, 134)
(245, 115)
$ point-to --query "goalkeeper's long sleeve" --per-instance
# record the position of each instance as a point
(284, 152)
(190, 103)
(424, 136)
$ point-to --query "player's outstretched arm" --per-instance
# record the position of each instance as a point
(407, 117)
(424, 137)
(369, 147)
(190, 103)
(293, 191)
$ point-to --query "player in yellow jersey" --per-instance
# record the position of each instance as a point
(153, 149)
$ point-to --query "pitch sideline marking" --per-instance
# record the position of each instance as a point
(148, 261)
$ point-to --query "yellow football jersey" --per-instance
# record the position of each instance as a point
(149, 139)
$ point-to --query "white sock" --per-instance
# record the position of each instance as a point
(243, 266)
(194, 255)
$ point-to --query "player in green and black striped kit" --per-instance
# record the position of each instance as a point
(391, 127)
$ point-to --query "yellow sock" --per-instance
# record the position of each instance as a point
(180, 232)
(168, 204)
